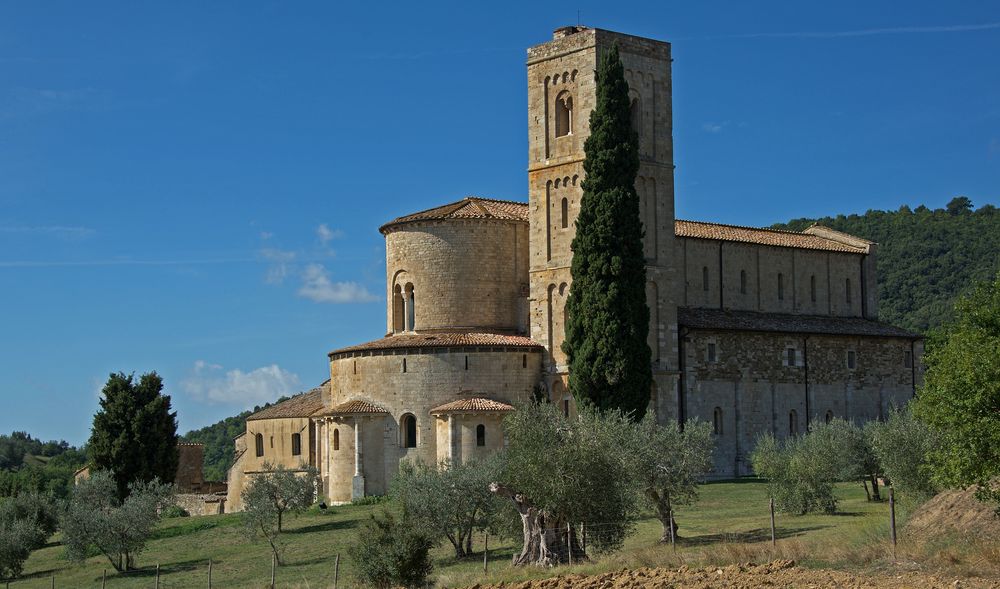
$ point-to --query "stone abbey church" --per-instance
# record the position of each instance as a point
(752, 330)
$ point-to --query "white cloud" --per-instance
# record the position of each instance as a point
(714, 127)
(325, 234)
(317, 286)
(279, 262)
(59, 231)
(211, 383)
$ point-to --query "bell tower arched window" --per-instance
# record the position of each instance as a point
(398, 310)
(410, 300)
(564, 114)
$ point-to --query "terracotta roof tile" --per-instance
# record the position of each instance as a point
(441, 340)
(301, 405)
(475, 405)
(354, 407)
(470, 207)
(773, 237)
(786, 323)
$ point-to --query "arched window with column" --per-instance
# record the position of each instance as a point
(398, 310)
(564, 114)
(411, 314)
(408, 427)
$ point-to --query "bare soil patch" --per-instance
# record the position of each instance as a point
(954, 511)
(779, 573)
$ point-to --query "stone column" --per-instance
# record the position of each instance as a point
(358, 484)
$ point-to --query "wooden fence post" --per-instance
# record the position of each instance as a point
(569, 542)
(210, 573)
(673, 538)
(892, 521)
(583, 533)
(774, 539)
(486, 553)
(336, 571)
(104, 580)
(53, 585)
(157, 575)
(273, 562)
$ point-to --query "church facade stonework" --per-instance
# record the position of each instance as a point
(753, 330)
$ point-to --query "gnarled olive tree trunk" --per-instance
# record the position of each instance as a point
(545, 535)
(662, 503)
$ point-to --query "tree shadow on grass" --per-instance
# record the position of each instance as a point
(749, 536)
(324, 527)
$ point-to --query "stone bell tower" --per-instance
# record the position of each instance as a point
(561, 94)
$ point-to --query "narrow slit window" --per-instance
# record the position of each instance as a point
(564, 217)
(852, 360)
(480, 435)
(907, 359)
(781, 287)
(404, 364)
(259, 445)
(524, 360)
(336, 439)
(812, 288)
(296, 444)
(711, 352)
(704, 278)
(466, 362)
(717, 421)
(565, 407)
(743, 282)
(848, 290)
(790, 357)
(793, 423)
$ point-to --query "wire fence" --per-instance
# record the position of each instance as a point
(211, 575)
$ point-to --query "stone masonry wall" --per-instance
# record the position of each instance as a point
(756, 390)
(466, 274)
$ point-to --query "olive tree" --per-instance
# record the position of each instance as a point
(669, 464)
(561, 472)
(271, 495)
(449, 501)
(902, 444)
(392, 552)
(97, 519)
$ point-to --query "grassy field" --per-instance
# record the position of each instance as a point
(729, 524)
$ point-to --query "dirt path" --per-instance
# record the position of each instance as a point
(780, 573)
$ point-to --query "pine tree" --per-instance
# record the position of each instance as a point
(134, 433)
(607, 317)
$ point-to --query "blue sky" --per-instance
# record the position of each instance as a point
(195, 188)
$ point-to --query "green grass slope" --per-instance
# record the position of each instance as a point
(728, 524)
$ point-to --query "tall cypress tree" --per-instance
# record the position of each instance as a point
(608, 320)
(134, 433)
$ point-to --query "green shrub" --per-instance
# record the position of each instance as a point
(174, 511)
(391, 552)
(17, 537)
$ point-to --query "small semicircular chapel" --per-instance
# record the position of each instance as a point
(753, 330)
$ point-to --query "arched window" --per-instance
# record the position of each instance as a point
(781, 286)
(398, 309)
(812, 288)
(296, 444)
(480, 435)
(829, 416)
(336, 439)
(259, 444)
(564, 219)
(564, 114)
(848, 290)
(411, 315)
(717, 421)
(793, 423)
(635, 113)
(409, 426)
(743, 282)
(704, 278)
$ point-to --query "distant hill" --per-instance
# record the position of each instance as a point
(31, 465)
(218, 441)
(926, 258)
